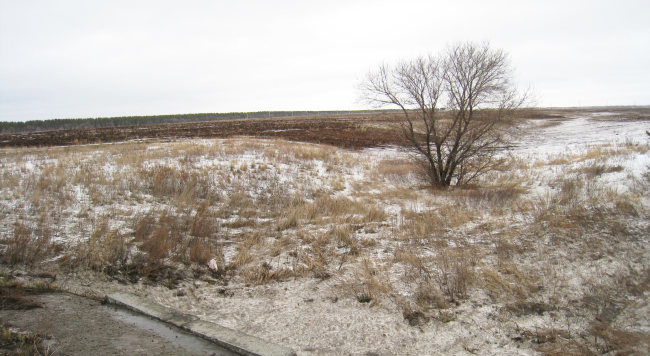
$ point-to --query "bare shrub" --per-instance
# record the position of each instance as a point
(158, 246)
(499, 288)
(25, 246)
(428, 294)
(264, 273)
(237, 203)
(474, 82)
(107, 251)
(200, 251)
(242, 257)
(597, 170)
(366, 283)
(183, 185)
(454, 273)
(281, 245)
(290, 220)
(374, 213)
(203, 223)
(342, 235)
(506, 249)
(143, 225)
(424, 225)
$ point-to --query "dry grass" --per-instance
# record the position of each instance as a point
(15, 343)
(597, 170)
(454, 273)
(27, 245)
(105, 250)
(367, 282)
(398, 171)
(532, 238)
(266, 273)
(16, 295)
(13, 296)
(606, 340)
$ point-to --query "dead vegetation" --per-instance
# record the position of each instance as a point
(13, 342)
(16, 295)
(538, 242)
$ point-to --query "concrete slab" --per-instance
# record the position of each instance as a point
(234, 340)
(78, 326)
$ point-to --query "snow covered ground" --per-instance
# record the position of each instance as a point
(335, 252)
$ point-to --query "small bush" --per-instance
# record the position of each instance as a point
(264, 273)
(106, 251)
(200, 251)
(367, 282)
(428, 295)
(25, 246)
(596, 170)
(454, 273)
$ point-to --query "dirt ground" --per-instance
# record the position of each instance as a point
(73, 325)
(354, 132)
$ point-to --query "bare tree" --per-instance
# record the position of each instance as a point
(459, 141)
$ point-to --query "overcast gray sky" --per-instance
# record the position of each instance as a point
(74, 58)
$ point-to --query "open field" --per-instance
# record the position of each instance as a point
(352, 131)
(332, 251)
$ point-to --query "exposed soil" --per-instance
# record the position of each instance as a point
(351, 131)
(357, 132)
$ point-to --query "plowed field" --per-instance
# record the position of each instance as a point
(357, 132)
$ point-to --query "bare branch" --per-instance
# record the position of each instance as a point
(476, 84)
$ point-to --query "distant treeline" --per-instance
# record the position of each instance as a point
(94, 123)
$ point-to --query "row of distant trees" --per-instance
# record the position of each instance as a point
(456, 108)
(94, 123)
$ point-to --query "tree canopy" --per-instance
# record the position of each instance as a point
(454, 105)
